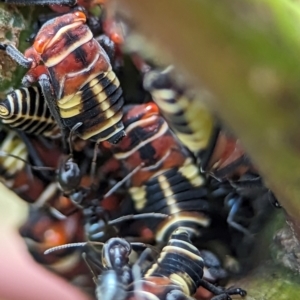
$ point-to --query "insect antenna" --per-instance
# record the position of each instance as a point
(38, 168)
(65, 246)
(121, 182)
(72, 132)
(35, 158)
(71, 245)
(137, 216)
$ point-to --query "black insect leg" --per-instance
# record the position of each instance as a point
(51, 101)
(138, 267)
(41, 2)
(221, 293)
(248, 182)
(236, 291)
(16, 55)
(86, 260)
(237, 201)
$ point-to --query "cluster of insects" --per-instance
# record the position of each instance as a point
(138, 183)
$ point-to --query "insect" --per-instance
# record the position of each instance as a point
(177, 273)
(169, 181)
(76, 78)
(69, 176)
(220, 154)
(71, 189)
(29, 171)
(182, 111)
(19, 164)
(42, 231)
(113, 264)
(25, 109)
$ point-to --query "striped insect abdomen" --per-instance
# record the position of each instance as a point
(98, 105)
(179, 261)
(25, 109)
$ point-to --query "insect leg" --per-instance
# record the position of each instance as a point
(237, 201)
(51, 101)
(137, 270)
(222, 294)
(73, 130)
(33, 154)
(16, 55)
(90, 268)
(107, 44)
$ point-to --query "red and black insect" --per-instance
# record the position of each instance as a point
(184, 112)
(22, 165)
(42, 231)
(28, 170)
(76, 78)
(168, 181)
(219, 153)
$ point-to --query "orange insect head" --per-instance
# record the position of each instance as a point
(47, 33)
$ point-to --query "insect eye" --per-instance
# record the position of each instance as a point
(39, 45)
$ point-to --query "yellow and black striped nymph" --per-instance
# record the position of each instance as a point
(181, 262)
(184, 111)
